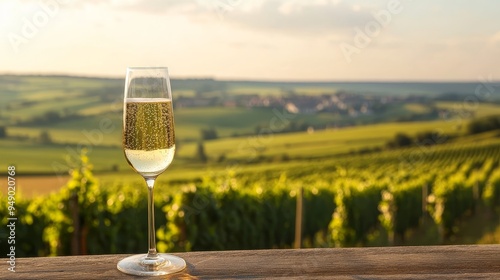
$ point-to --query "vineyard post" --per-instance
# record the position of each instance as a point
(298, 219)
(75, 216)
(425, 194)
(476, 196)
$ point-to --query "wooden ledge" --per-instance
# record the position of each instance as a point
(432, 262)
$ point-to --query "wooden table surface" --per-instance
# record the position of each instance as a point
(430, 262)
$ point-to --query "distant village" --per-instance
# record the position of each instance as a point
(342, 103)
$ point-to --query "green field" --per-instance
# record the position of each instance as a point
(477, 110)
(360, 189)
(37, 158)
(248, 137)
(373, 199)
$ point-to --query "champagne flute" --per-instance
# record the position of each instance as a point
(149, 146)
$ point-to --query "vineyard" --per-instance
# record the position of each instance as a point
(348, 201)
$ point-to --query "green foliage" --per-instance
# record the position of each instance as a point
(208, 133)
(200, 153)
(319, 206)
(452, 199)
(3, 132)
(111, 219)
(346, 200)
(356, 214)
(220, 215)
(44, 137)
(400, 140)
(484, 124)
(429, 138)
(491, 194)
(401, 208)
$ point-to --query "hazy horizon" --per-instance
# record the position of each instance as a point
(90, 76)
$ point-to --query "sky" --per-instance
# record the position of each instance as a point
(309, 40)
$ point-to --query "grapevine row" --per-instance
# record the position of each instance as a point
(347, 201)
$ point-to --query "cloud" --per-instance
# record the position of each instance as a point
(313, 17)
(140, 6)
(159, 6)
(495, 38)
(290, 16)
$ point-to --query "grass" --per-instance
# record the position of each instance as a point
(82, 95)
(46, 95)
(267, 154)
(98, 109)
(189, 123)
(72, 136)
(184, 170)
(33, 158)
(37, 158)
(267, 91)
(72, 104)
(417, 108)
(325, 142)
(49, 93)
(477, 109)
(183, 93)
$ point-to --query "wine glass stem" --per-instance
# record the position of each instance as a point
(151, 219)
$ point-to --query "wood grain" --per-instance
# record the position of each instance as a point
(434, 262)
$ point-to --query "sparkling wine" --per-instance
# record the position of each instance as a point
(149, 147)
(148, 134)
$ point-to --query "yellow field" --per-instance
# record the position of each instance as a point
(32, 186)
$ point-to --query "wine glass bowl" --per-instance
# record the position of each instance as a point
(149, 147)
(149, 137)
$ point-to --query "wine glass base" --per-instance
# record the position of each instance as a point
(135, 265)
